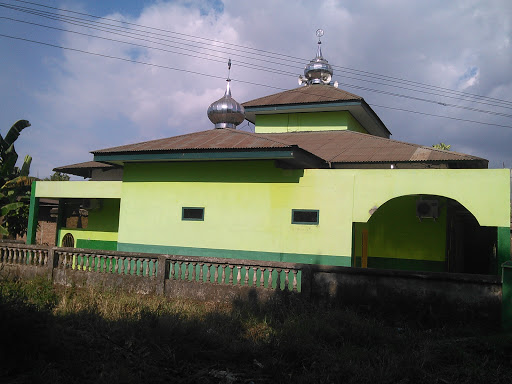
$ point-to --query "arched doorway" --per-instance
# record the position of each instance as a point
(425, 233)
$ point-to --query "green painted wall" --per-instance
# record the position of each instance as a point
(398, 240)
(102, 228)
(32, 215)
(312, 121)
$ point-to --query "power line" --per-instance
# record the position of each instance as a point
(252, 66)
(444, 117)
(185, 53)
(220, 77)
(301, 60)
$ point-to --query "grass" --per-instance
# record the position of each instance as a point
(70, 335)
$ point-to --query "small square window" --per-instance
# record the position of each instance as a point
(305, 216)
(189, 213)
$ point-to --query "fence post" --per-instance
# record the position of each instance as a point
(306, 280)
(161, 275)
(51, 263)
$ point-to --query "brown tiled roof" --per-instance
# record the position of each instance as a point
(331, 146)
(87, 164)
(315, 93)
(82, 169)
(204, 140)
(354, 147)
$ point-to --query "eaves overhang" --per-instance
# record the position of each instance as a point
(292, 157)
(361, 111)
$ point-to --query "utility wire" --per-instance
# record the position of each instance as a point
(248, 65)
(185, 51)
(220, 77)
(253, 66)
(205, 56)
(343, 69)
(135, 32)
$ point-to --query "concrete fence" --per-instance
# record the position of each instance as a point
(171, 275)
(440, 294)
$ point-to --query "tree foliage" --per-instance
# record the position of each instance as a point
(57, 176)
(443, 146)
(14, 184)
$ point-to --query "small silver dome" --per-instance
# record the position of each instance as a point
(226, 112)
(318, 71)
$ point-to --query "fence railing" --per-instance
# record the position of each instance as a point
(20, 254)
(163, 269)
(113, 263)
(256, 274)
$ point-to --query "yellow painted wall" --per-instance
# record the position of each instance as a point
(248, 205)
(484, 192)
(312, 121)
(239, 214)
(79, 189)
(250, 208)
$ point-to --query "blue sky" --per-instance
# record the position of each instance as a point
(78, 102)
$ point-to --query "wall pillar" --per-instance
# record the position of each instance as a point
(506, 296)
(502, 246)
(33, 214)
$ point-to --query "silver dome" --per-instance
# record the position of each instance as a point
(226, 112)
(318, 70)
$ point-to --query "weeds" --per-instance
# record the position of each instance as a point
(67, 335)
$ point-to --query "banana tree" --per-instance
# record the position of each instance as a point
(14, 184)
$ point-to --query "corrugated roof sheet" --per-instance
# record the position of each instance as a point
(350, 147)
(331, 146)
(315, 93)
(82, 169)
(212, 139)
(87, 164)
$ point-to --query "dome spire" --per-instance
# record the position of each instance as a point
(318, 70)
(226, 112)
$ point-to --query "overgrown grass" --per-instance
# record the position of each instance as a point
(70, 335)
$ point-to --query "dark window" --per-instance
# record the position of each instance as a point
(68, 240)
(305, 216)
(192, 214)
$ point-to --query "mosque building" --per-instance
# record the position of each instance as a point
(318, 182)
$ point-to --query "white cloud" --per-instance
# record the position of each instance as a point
(93, 102)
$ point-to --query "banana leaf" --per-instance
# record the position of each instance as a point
(20, 181)
(10, 207)
(25, 169)
(4, 231)
(9, 158)
(13, 134)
